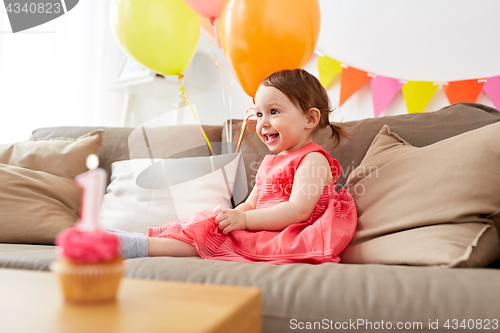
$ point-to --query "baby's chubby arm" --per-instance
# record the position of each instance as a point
(234, 219)
(310, 178)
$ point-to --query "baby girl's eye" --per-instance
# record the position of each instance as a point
(274, 111)
(259, 114)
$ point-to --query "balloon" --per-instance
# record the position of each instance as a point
(207, 8)
(207, 29)
(260, 37)
(160, 34)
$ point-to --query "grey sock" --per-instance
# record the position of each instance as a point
(133, 245)
(117, 231)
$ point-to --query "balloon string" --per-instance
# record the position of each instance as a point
(249, 125)
(219, 66)
(217, 63)
(243, 125)
(183, 100)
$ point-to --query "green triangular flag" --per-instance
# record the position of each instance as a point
(327, 68)
(418, 94)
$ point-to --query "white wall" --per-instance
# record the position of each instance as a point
(425, 40)
(203, 87)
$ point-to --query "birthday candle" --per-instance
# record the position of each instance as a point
(92, 183)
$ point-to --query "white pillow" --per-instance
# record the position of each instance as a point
(139, 196)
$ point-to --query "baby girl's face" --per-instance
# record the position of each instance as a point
(280, 124)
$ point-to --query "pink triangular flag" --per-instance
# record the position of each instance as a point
(492, 89)
(384, 89)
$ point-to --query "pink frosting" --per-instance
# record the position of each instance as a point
(85, 246)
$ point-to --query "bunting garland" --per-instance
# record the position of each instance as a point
(417, 94)
(463, 91)
(384, 89)
(352, 80)
(492, 89)
(328, 68)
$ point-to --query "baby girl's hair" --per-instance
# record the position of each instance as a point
(306, 92)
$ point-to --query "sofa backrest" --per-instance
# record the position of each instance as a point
(419, 129)
(116, 141)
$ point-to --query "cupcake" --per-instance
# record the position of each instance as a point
(90, 267)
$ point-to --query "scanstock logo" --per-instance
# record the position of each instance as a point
(26, 14)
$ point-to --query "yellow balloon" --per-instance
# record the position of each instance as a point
(160, 34)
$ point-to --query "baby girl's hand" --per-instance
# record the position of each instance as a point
(231, 220)
(220, 209)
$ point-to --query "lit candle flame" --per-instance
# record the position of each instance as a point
(92, 161)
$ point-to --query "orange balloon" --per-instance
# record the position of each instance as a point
(260, 37)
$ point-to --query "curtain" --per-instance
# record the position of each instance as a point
(60, 73)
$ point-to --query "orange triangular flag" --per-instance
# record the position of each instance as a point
(465, 91)
(352, 80)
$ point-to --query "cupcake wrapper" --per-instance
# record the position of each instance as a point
(89, 283)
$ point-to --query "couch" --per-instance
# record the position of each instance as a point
(355, 294)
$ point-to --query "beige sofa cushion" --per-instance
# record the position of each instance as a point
(58, 156)
(38, 196)
(35, 205)
(433, 205)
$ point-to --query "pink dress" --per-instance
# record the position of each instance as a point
(320, 238)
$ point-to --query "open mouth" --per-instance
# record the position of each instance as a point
(270, 138)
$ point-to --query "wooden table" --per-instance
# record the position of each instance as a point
(32, 301)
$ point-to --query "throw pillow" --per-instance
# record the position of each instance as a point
(58, 156)
(35, 205)
(139, 196)
(434, 205)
